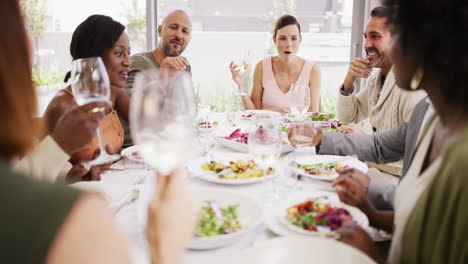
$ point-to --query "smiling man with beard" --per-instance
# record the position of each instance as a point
(380, 101)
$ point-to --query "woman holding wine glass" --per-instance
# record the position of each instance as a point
(274, 76)
(100, 49)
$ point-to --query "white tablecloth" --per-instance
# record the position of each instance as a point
(131, 219)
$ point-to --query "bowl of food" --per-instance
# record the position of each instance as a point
(224, 217)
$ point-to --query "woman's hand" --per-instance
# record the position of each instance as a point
(358, 176)
(171, 219)
(80, 173)
(351, 190)
(237, 76)
(353, 235)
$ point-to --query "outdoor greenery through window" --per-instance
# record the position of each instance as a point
(51, 23)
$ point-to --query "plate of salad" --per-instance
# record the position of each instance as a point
(306, 214)
(132, 153)
(325, 167)
(237, 139)
(252, 114)
(224, 217)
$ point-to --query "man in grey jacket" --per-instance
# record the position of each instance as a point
(389, 146)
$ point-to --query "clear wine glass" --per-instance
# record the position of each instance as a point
(264, 144)
(299, 100)
(233, 114)
(301, 134)
(90, 83)
(241, 63)
(162, 117)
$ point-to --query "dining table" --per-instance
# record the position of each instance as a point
(129, 175)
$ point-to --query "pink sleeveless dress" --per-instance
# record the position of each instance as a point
(273, 98)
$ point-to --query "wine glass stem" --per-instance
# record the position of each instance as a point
(102, 149)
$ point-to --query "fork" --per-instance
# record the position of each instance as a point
(128, 200)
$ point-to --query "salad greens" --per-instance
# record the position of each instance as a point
(210, 225)
(310, 215)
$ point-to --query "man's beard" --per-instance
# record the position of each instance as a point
(378, 62)
(167, 50)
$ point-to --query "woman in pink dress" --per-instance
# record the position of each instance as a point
(274, 75)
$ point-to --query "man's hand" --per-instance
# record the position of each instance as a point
(175, 63)
(307, 130)
(352, 129)
(359, 67)
(77, 126)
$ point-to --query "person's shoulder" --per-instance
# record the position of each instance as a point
(61, 101)
(141, 60)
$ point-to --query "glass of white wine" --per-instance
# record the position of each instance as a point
(90, 83)
(301, 134)
(299, 101)
(264, 144)
(161, 120)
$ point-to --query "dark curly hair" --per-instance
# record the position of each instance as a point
(93, 36)
(286, 20)
(433, 33)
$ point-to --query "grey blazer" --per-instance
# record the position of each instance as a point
(389, 146)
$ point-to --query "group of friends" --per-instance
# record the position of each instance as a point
(414, 100)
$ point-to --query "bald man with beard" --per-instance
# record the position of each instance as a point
(174, 34)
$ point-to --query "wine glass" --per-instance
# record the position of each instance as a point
(233, 114)
(264, 144)
(241, 63)
(90, 83)
(299, 100)
(301, 133)
(162, 115)
(204, 106)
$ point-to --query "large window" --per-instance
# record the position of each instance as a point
(224, 30)
(51, 24)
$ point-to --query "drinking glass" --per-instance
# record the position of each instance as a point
(90, 83)
(233, 114)
(241, 63)
(204, 106)
(162, 115)
(264, 144)
(301, 134)
(299, 100)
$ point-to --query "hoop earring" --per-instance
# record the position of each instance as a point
(416, 79)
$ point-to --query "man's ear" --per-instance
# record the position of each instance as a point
(159, 30)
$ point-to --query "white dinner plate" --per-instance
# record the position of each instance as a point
(241, 147)
(195, 167)
(255, 113)
(299, 250)
(249, 215)
(277, 223)
(129, 153)
(315, 159)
